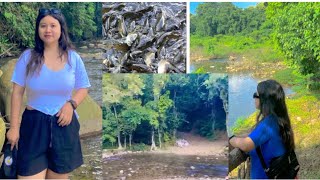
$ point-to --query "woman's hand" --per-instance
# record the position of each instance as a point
(13, 136)
(65, 114)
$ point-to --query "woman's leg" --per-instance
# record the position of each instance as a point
(40, 175)
(52, 175)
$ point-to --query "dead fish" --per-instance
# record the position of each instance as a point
(107, 62)
(149, 58)
(123, 59)
(135, 53)
(165, 36)
(150, 33)
(107, 24)
(141, 68)
(161, 22)
(145, 42)
(122, 27)
(146, 27)
(163, 66)
(113, 23)
(132, 26)
(131, 38)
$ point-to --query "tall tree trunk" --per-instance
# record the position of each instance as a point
(153, 144)
(175, 113)
(213, 116)
(130, 139)
(159, 136)
(125, 141)
(119, 130)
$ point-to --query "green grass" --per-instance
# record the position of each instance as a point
(223, 46)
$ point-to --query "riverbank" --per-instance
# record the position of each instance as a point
(200, 159)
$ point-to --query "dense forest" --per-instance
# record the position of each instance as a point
(17, 21)
(144, 109)
(275, 31)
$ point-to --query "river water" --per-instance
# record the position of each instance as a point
(147, 166)
(92, 157)
(241, 89)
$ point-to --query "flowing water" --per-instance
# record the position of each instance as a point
(241, 89)
(145, 166)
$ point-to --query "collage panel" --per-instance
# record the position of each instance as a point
(144, 37)
(100, 90)
(40, 26)
(271, 55)
(165, 126)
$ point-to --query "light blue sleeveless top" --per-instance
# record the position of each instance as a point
(49, 90)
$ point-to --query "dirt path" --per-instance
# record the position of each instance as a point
(200, 146)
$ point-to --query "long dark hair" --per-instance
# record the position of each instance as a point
(272, 102)
(37, 58)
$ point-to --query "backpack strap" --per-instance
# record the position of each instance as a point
(263, 163)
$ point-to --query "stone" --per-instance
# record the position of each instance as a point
(121, 171)
(192, 167)
(2, 132)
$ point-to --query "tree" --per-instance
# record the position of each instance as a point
(297, 33)
(117, 87)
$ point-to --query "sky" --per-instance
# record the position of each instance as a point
(193, 5)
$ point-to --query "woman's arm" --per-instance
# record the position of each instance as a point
(244, 143)
(66, 112)
(16, 101)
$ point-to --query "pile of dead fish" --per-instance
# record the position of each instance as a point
(144, 37)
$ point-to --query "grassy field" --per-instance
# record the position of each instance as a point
(223, 46)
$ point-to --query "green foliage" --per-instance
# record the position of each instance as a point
(135, 102)
(200, 71)
(17, 21)
(139, 147)
(214, 18)
(257, 48)
(297, 33)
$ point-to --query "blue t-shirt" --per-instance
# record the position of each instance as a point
(266, 135)
(49, 90)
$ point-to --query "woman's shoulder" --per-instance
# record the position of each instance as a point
(27, 52)
(25, 55)
(73, 53)
(270, 121)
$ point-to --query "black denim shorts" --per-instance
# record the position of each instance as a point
(44, 144)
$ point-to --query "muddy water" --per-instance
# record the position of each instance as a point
(92, 157)
(146, 166)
